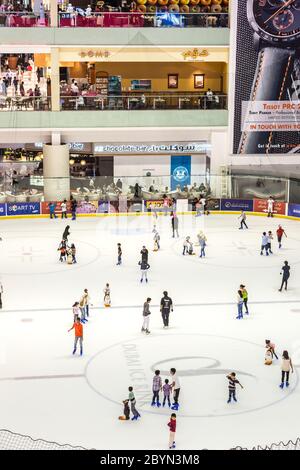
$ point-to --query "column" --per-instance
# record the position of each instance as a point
(53, 14)
(219, 157)
(55, 98)
(56, 172)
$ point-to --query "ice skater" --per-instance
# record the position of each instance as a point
(73, 253)
(132, 402)
(264, 244)
(174, 222)
(271, 346)
(270, 238)
(202, 243)
(76, 311)
(268, 357)
(280, 231)
(73, 208)
(52, 207)
(156, 239)
(156, 388)
(285, 272)
(243, 218)
(188, 247)
(270, 203)
(119, 254)
(107, 299)
(146, 316)
(240, 303)
(286, 368)
(232, 386)
(175, 385)
(82, 305)
(245, 297)
(144, 268)
(166, 306)
(66, 233)
(78, 335)
(172, 427)
(64, 209)
(167, 392)
(62, 248)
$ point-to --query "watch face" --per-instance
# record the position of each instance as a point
(277, 21)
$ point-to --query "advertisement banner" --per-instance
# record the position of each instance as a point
(23, 208)
(2, 209)
(213, 204)
(45, 207)
(261, 205)
(154, 205)
(266, 37)
(87, 207)
(180, 171)
(294, 210)
(237, 205)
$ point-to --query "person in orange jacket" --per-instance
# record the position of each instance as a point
(77, 326)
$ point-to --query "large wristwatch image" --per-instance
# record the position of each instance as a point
(276, 36)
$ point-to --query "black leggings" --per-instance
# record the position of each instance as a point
(284, 282)
(283, 373)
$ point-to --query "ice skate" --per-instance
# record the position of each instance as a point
(281, 385)
(74, 351)
(147, 332)
(158, 404)
(153, 403)
(287, 384)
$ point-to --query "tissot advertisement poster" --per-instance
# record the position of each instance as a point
(267, 76)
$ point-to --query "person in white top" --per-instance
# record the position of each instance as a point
(74, 88)
(64, 209)
(175, 385)
(88, 11)
(270, 206)
(76, 311)
(1, 292)
(87, 301)
(286, 367)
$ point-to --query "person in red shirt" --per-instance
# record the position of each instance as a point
(78, 334)
(280, 231)
(172, 427)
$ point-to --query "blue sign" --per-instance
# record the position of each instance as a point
(23, 208)
(180, 171)
(2, 209)
(237, 205)
(294, 210)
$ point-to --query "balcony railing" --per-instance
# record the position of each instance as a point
(23, 19)
(143, 102)
(157, 19)
(25, 103)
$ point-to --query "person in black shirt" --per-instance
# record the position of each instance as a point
(166, 305)
(119, 254)
(66, 233)
(144, 253)
(285, 271)
(73, 208)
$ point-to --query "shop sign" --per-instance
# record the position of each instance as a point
(261, 205)
(237, 205)
(183, 147)
(23, 208)
(194, 54)
(103, 54)
(294, 210)
(2, 209)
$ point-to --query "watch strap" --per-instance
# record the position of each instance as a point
(272, 78)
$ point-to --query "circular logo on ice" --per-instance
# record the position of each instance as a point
(202, 363)
(180, 174)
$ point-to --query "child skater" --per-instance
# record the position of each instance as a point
(73, 253)
(76, 311)
(232, 386)
(271, 346)
(69, 255)
(268, 357)
(119, 254)
(132, 400)
(126, 411)
(107, 301)
(156, 388)
(167, 392)
(270, 238)
(172, 428)
(63, 250)
(156, 239)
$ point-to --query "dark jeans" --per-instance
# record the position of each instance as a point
(243, 223)
(52, 214)
(283, 375)
(0, 300)
(155, 396)
(185, 250)
(64, 215)
(119, 259)
(231, 395)
(246, 304)
(165, 316)
(264, 247)
(74, 215)
(284, 283)
(167, 398)
(176, 395)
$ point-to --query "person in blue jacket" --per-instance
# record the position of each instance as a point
(52, 207)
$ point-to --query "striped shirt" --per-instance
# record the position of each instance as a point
(156, 383)
(232, 382)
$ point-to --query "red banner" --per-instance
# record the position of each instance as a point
(45, 207)
(261, 205)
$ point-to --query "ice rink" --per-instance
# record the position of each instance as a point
(45, 392)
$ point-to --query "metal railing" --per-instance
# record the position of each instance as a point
(25, 103)
(157, 101)
(23, 19)
(170, 16)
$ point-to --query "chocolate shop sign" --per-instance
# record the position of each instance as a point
(174, 148)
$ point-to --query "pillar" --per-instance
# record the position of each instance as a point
(53, 13)
(56, 172)
(219, 158)
(55, 91)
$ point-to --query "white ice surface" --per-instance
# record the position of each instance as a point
(45, 392)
